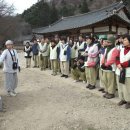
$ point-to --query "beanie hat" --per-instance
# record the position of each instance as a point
(111, 39)
(9, 42)
(103, 37)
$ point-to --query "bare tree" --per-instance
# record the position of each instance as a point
(11, 26)
(5, 9)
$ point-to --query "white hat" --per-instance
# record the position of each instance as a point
(9, 42)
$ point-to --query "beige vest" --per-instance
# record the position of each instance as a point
(43, 47)
(62, 50)
(124, 58)
(81, 47)
(109, 56)
(26, 49)
(53, 53)
(74, 52)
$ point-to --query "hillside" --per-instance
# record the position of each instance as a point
(92, 4)
(46, 12)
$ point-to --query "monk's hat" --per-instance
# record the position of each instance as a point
(9, 42)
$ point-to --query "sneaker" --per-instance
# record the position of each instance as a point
(121, 103)
(105, 95)
(101, 89)
(110, 96)
(88, 86)
(15, 92)
(11, 94)
(92, 87)
(8, 94)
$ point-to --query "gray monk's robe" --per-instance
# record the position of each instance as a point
(11, 78)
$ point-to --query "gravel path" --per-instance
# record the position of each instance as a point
(45, 102)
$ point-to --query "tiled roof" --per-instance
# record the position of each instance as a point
(82, 20)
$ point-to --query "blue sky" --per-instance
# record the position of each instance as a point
(21, 5)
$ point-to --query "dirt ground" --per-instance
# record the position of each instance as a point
(46, 102)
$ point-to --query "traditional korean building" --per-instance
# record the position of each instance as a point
(113, 19)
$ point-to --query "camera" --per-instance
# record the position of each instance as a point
(15, 65)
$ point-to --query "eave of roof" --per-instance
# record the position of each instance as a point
(87, 19)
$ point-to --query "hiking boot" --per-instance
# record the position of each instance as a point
(66, 76)
(121, 103)
(127, 106)
(110, 96)
(88, 86)
(62, 75)
(92, 87)
(105, 95)
(101, 89)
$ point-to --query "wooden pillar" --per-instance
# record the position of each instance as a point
(128, 30)
(116, 29)
(110, 29)
(92, 30)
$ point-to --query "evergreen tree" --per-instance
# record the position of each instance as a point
(53, 13)
(66, 9)
(38, 15)
(84, 7)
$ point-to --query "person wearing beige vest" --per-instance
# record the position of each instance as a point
(108, 65)
(123, 73)
(81, 45)
(65, 53)
(43, 54)
(74, 51)
(91, 56)
(101, 53)
(48, 65)
(57, 39)
(54, 54)
(78, 70)
(28, 54)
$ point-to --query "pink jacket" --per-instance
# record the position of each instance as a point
(111, 57)
(92, 56)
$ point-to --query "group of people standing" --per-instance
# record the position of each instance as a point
(87, 59)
